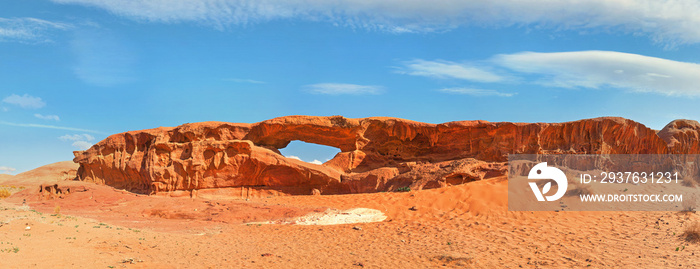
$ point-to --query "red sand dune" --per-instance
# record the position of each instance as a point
(464, 225)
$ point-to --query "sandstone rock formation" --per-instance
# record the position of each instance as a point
(53, 191)
(377, 154)
(682, 136)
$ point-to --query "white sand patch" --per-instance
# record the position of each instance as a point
(335, 216)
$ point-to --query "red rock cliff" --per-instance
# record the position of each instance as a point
(377, 154)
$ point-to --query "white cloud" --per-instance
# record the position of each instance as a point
(294, 157)
(340, 88)
(47, 117)
(31, 125)
(475, 92)
(597, 69)
(25, 101)
(4, 109)
(80, 141)
(77, 137)
(30, 30)
(663, 20)
(446, 69)
(299, 159)
(242, 80)
(6, 169)
(82, 145)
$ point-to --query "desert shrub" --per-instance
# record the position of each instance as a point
(688, 182)
(4, 193)
(7, 191)
(692, 233)
(404, 189)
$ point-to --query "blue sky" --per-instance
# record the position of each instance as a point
(75, 71)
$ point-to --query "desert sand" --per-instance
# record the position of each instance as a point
(465, 225)
(400, 194)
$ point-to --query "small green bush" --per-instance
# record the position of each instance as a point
(404, 189)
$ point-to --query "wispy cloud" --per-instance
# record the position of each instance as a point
(662, 20)
(576, 69)
(30, 125)
(242, 80)
(475, 92)
(341, 88)
(31, 30)
(77, 137)
(446, 69)
(24, 101)
(47, 117)
(7, 169)
(597, 69)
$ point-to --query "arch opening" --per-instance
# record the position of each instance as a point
(309, 152)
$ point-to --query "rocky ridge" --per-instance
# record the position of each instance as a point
(377, 154)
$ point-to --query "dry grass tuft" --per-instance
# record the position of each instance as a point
(692, 233)
(689, 182)
(4, 193)
(7, 191)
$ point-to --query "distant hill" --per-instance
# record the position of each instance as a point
(50, 173)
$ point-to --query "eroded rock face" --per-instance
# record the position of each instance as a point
(377, 154)
(682, 136)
